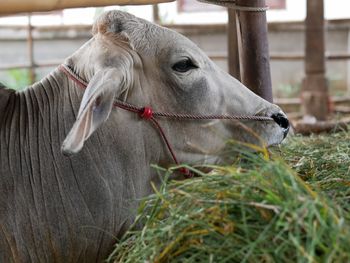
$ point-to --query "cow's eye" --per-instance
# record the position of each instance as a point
(183, 65)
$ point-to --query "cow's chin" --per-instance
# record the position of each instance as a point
(258, 133)
(225, 139)
(275, 140)
(273, 135)
(264, 138)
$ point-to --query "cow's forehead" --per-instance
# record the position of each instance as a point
(144, 36)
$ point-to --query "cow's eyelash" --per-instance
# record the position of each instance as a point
(184, 65)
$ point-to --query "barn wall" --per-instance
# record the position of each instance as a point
(283, 38)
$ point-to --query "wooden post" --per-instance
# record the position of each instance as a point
(31, 50)
(156, 18)
(254, 49)
(314, 93)
(348, 64)
(232, 45)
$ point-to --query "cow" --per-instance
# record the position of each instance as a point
(72, 166)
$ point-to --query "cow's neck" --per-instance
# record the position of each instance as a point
(43, 115)
(42, 112)
(93, 189)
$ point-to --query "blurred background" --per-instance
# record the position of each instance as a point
(31, 45)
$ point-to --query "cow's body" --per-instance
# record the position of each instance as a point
(55, 208)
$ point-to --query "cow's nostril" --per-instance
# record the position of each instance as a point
(282, 121)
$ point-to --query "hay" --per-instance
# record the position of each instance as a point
(323, 162)
(256, 210)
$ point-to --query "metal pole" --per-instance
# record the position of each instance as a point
(314, 95)
(254, 49)
(31, 51)
(232, 45)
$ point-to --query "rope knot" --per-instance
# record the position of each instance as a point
(146, 113)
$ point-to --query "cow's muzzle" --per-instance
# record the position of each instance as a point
(282, 121)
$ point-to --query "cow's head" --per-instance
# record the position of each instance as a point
(144, 64)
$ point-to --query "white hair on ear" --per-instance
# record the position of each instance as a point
(137, 31)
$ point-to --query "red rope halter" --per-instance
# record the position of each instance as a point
(148, 114)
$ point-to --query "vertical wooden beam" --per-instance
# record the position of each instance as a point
(315, 99)
(254, 49)
(232, 45)
(156, 18)
(30, 50)
(348, 63)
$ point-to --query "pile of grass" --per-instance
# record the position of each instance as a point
(257, 209)
(323, 162)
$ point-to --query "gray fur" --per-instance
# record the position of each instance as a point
(55, 208)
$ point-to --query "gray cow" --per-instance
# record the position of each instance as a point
(66, 198)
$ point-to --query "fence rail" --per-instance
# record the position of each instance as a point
(31, 65)
(273, 56)
(288, 56)
(44, 64)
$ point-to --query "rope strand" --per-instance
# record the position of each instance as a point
(181, 116)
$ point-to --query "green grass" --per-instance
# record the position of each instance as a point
(17, 79)
(291, 206)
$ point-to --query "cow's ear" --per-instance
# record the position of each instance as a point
(95, 107)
